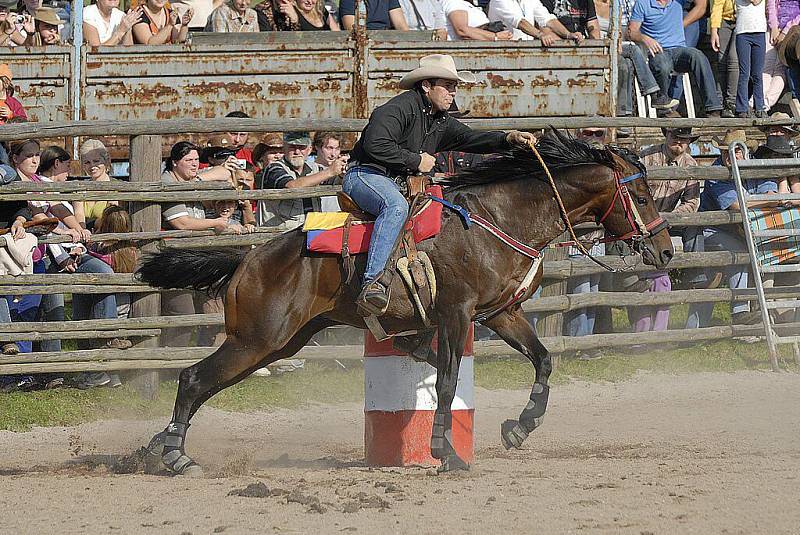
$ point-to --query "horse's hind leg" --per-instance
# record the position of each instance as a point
(228, 365)
(512, 327)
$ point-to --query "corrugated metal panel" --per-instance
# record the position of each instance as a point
(41, 80)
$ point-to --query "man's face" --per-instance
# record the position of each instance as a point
(3, 13)
(592, 135)
(241, 5)
(237, 139)
(726, 159)
(676, 146)
(329, 152)
(778, 131)
(441, 93)
(49, 33)
(296, 154)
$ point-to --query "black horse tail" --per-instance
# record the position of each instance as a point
(208, 270)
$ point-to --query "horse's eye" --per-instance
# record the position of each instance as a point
(641, 201)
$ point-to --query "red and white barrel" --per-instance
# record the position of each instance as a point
(399, 403)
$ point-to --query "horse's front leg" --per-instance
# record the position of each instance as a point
(452, 337)
(512, 327)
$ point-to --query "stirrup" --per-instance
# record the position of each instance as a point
(374, 298)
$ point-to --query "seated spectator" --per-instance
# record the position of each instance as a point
(780, 146)
(658, 25)
(10, 107)
(54, 163)
(268, 150)
(96, 163)
(293, 171)
(234, 16)
(425, 16)
(106, 25)
(45, 31)
(120, 256)
(311, 15)
(529, 19)
(721, 195)
(160, 25)
(782, 23)
(675, 196)
(381, 15)
(578, 17)
(273, 16)
(9, 33)
(466, 21)
(789, 131)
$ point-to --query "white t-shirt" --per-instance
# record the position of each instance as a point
(750, 18)
(92, 16)
(475, 16)
(511, 13)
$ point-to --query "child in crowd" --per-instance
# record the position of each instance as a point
(751, 42)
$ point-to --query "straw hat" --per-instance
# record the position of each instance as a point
(730, 137)
(783, 116)
(48, 15)
(436, 66)
(272, 141)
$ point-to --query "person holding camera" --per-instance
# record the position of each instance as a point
(161, 25)
(294, 171)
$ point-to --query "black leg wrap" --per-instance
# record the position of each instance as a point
(441, 440)
(172, 454)
(513, 433)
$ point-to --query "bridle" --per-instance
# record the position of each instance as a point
(640, 230)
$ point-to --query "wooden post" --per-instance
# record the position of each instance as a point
(552, 324)
(145, 166)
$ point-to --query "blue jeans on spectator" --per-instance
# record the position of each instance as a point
(647, 82)
(625, 88)
(693, 242)
(580, 322)
(93, 306)
(720, 240)
(378, 195)
(684, 59)
(751, 50)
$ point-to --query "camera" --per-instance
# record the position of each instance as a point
(241, 163)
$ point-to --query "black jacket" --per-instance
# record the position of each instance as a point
(403, 128)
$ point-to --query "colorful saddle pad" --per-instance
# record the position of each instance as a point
(777, 250)
(324, 230)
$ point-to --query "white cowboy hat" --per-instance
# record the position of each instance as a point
(436, 66)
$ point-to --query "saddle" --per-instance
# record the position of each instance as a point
(414, 266)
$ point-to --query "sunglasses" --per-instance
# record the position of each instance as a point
(593, 133)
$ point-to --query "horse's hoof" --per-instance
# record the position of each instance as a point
(512, 434)
(451, 463)
(194, 471)
(156, 445)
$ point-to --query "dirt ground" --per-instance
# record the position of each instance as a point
(705, 453)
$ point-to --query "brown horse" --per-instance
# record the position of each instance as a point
(279, 295)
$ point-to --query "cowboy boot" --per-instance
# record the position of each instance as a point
(374, 298)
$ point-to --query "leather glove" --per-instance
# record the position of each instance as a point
(522, 139)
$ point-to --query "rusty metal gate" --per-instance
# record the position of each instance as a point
(42, 80)
(332, 74)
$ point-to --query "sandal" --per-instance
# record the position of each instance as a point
(10, 349)
(118, 343)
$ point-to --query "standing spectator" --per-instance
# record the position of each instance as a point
(293, 171)
(577, 16)
(9, 33)
(723, 30)
(675, 196)
(425, 16)
(234, 16)
(161, 25)
(528, 19)
(468, 22)
(721, 195)
(328, 149)
(268, 150)
(751, 31)
(54, 163)
(238, 140)
(10, 107)
(106, 25)
(381, 15)
(96, 163)
(45, 31)
(658, 24)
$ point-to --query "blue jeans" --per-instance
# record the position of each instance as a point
(750, 49)
(684, 59)
(625, 88)
(720, 240)
(580, 322)
(93, 306)
(376, 194)
(647, 82)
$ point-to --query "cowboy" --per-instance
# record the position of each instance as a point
(400, 140)
(786, 130)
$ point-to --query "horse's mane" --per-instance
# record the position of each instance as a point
(558, 150)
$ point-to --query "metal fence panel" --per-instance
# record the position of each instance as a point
(42, 80)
